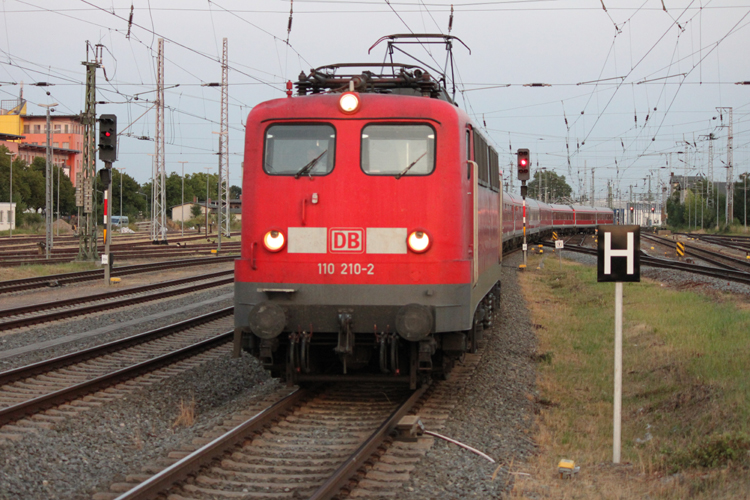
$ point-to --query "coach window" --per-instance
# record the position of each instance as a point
(299, 150)
(398, 150)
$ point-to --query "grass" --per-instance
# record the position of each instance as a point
(686, 391)
(36, 270)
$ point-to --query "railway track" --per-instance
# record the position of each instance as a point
(723, 274)
(262, 452)
(56, 310)
(713, 258)
(27, 391)
(150, 252)
(307, 445)
(69, 278)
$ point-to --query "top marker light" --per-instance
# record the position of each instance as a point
(349, 103)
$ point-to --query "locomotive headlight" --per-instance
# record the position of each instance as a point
(349, 102)
(274, 240)
(418, 241)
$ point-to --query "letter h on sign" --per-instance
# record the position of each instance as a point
(619, 254)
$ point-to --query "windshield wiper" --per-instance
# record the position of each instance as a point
(307, 168)
(403, 172)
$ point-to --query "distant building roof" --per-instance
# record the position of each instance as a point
(42, 147)
(11, 137)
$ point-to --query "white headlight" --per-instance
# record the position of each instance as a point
(418, 241)
(274, 240)
(349, 102)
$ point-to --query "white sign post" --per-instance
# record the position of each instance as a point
(619, 249)
(559, 245)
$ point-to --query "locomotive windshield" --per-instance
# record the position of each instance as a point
(299, 149)
(398, 150)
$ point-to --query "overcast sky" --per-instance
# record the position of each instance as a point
(633, 81)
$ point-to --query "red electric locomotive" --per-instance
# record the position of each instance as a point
(372, 229)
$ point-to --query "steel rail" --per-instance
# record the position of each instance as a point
(732, 275)
(341, 475)
(66, 278)
(704, 255)
(68, 313)
(48, 365)
(30, 407)
(204, 455)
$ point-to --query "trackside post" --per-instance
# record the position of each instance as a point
(524, 166)
(619, 249)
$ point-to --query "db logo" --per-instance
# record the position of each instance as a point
(346, 240)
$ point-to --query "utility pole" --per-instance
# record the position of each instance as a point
(87, 233)
(182, 206)
(650, 220)
(48, 184)
(208, 169)
(730, 164)
(224, 143)
(592, 187)
(121, 170)
(159, 192)
(12, 211)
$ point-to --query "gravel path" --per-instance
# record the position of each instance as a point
(495, 413)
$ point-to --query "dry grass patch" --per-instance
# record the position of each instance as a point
(186, 416)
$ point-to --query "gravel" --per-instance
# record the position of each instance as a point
(89, 452)
(495, 413)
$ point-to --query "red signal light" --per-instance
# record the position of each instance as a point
(524, 162)
(107, 134)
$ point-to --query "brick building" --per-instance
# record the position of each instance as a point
(31, 130)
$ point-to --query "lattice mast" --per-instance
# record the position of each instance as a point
(223, 212)
(87, 250)
(730, 167)
(159, 192)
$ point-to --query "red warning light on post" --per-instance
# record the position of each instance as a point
(523, 165)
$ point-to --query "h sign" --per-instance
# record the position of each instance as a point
(619, 254)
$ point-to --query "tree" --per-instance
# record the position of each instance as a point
(235, 192)
(551, 183)
(33, 180)
(67, 198)
(196, 211)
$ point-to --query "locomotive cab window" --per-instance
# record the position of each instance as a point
(299, 150)
(398, 150)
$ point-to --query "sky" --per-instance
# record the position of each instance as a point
(631, 88)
